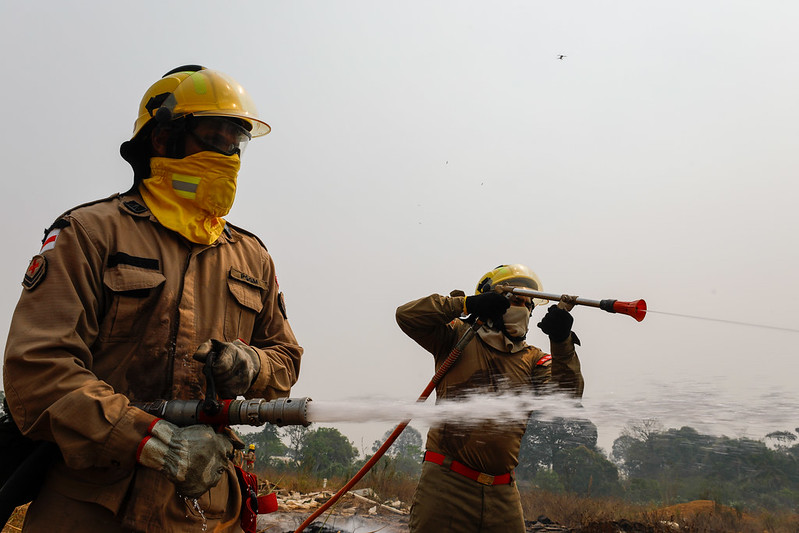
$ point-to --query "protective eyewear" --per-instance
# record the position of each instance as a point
(219, 134)
(525, 301)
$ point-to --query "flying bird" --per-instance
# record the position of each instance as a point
(561, 56)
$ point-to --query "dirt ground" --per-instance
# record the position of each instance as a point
(288, 522)
(354, 515)
(356, 518)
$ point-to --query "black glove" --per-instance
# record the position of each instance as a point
(557, 323)
(488, 306)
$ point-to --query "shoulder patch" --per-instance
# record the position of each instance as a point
(37, 270)
(50, 238)
(545, 360)
(246, 278)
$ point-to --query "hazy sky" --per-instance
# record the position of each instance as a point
(418, 144)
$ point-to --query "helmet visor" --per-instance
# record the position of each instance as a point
(520, 282)
(525, 283)
(218, 134)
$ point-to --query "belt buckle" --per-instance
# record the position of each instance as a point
(485, 479)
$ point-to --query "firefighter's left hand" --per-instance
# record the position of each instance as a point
(557, 323)
(235, 366)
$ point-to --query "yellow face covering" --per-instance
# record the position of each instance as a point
(190, 195)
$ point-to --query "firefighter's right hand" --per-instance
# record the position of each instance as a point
(235, 366)
(488, 305)
(193, 458)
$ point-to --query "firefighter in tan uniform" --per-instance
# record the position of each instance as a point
(249, 459)
(467, 482)
(124, 302)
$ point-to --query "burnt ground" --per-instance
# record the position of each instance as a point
(358, 519)
(287, 522)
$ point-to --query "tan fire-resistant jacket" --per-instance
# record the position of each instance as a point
(492, 447)
(112, 313)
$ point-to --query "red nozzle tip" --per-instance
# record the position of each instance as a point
(635, 309)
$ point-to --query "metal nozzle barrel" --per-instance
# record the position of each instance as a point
(635, 309)
(284, 411)
(256, 412)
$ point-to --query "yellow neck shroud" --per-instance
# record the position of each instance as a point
(191, 195)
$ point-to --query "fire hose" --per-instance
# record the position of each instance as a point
(635, 309)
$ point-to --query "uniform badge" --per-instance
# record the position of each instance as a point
(49, 240)
(37, 269)
(246, 278)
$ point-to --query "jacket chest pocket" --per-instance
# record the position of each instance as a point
(243, 305)
(134, 293)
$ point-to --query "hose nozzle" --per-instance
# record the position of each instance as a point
(635, 309)
(254, 412)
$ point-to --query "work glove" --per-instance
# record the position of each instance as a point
(488, 305)
(234, 366)
(557, 323)
(193, 458)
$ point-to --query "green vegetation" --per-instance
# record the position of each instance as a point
(650, 465)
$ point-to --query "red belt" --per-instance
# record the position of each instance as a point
(462, 469)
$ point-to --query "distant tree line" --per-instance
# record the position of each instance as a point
(651, 465)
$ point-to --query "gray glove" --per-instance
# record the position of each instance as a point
(193, 458)
(235, 366)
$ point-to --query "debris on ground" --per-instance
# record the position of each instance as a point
(542, 524)
(351, 503)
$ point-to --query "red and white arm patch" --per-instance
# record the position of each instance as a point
(50, 239)
(546, 359)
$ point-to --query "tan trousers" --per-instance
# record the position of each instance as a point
(54, 512)
(446, 502)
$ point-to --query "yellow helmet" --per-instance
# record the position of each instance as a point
(514, 275)
(199, 91)
(252, 446)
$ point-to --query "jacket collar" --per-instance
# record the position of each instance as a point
(133, 204)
